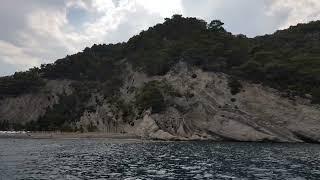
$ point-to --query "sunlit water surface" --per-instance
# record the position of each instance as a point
(123, 159)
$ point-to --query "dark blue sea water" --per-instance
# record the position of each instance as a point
(124, 159)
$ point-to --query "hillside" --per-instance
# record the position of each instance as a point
(182, 79)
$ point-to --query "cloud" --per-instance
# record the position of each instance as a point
(13, 56)
(240, 17)
(296, 11)
(108, 23)
(165, 8)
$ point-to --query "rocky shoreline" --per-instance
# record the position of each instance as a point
(115, 136)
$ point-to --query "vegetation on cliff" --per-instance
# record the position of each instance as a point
(154, 95)
(21, 82)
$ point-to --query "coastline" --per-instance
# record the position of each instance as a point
(68, 135)
(112, 136)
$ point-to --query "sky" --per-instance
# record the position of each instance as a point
(35, 32)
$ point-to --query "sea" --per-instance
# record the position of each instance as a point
(30, 159)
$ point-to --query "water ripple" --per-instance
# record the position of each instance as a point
(110, 159)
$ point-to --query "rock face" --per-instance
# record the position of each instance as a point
(30, 107)
(204, 110)
(256, 113)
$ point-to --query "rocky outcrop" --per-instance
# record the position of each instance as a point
(30, 107)
(148, 128)
(104, 119)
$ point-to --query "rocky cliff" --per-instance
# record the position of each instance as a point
(203, 108)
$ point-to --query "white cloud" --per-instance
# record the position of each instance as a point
(297, 11)
(52, 25)
(165, 8)
(103, 5)
(77, 3)
(11, 54)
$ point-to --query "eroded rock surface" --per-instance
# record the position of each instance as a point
(30, 107)
(256, 113)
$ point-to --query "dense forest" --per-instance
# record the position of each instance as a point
(288, 60)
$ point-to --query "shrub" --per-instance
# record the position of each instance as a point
(20, 83)
(316, 95)
(149, 96)
(235, 86)
(91, 127)
(4, 125)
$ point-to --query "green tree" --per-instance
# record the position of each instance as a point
(150, 96)
(216, 25)
(235, 86)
